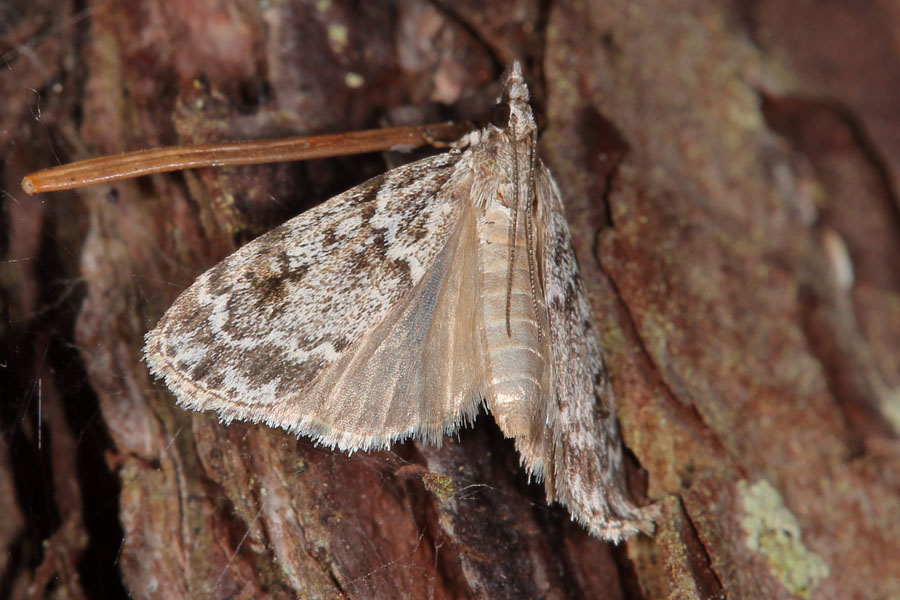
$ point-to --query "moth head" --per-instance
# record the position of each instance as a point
(512, 113)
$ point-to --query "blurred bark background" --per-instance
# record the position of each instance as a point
(730, 176)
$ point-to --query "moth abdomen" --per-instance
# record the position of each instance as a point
(514, 350)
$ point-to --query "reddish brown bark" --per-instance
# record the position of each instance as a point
(722, 164)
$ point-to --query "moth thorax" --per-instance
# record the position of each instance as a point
(514, 345)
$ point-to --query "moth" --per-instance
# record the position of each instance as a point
(401, 307)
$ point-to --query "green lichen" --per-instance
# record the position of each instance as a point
(442, 486)
(773, 531)
(353, 80)
(338, 36)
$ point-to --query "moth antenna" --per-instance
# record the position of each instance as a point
(512, 240)
(529, 242)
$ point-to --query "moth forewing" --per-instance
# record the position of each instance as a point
(396, 308)
(312, 327)
(588, 472)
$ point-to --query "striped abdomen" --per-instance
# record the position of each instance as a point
(515, 355)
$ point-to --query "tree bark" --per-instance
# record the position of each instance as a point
(729, 175)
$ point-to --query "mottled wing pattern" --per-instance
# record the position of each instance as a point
(309, 327)
(582, 462)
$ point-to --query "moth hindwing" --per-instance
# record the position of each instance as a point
(397, 308)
